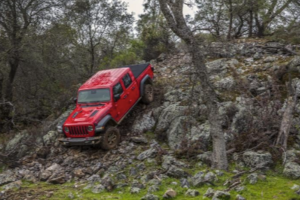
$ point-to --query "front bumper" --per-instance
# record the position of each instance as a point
(80, 141)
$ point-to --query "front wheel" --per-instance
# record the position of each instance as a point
(111, 138)
(148, 95)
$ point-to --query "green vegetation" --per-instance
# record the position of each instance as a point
(274, 187)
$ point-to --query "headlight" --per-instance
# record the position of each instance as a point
(59, 129)
(66, 130)
(90, 128)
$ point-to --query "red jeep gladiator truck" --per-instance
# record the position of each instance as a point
(102, 103)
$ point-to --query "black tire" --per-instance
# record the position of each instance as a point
(110, 138)
(148, 95)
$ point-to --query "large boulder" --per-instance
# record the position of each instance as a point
(202, 178)
(257, 159)
(19, 144)
(177, 172)
(7, 177)
(169, 114)
(292, 170)
(178, 130)
(143, 123)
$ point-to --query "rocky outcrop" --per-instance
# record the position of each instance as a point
(257, 159)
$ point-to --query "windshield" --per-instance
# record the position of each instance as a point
(93, 96)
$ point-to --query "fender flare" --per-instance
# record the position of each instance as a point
(143, 82)
(104, 121)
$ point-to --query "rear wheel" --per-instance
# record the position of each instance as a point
(148, 94)
(111, 138)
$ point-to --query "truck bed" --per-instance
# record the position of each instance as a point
(137, 69)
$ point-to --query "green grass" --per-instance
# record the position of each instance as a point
(274, 187)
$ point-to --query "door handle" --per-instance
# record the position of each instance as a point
(133, 88)
(125, 96)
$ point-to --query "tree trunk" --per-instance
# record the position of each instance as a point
(260, 31)
(14, 64)
(173, 14)
(1, 87)
(250, 24)
(230, 20)
(286, 123)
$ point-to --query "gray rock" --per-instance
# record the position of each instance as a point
(201, 178)
(291, 156)
(137, 184)
(200, 133)
(198, 179)
(135, 190)
(13, 185)
(170, 193)
(217, 66)
(179, 128)
(252, 178)
(209, 193)
(168, 115)
(47, 173)
(143, 123)
(133, 171)
(295, 187)
(153, 188)
(7, 177)
(184, 183)
(71, 195)
(240, 188)
(154, 182)
(257, 56)
(150, 153)
(96, 189)
(192, 193)
(269, 59)
(257, 159)
(15, 142)
(150, 197)
(239, 197)
(205, 157)
(221, 195)
(177, 172)
(121, 176)
(169, 161)
(292, 170)
(139, 140)
(227, 83)
(95, 178)
(50, 137)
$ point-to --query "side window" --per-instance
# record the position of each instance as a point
(118, 89)
(127, 80)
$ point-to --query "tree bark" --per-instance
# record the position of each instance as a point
(172, 11)
(230, 20)
(286, 123)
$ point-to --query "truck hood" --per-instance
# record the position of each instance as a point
(88, 114)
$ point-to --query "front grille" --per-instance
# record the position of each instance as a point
(78, 130)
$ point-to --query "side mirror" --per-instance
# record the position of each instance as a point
(117, 97)
(75, 100)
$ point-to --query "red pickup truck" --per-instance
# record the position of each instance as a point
(102, 103)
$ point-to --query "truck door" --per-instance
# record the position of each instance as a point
(131, 90)
(120, 107)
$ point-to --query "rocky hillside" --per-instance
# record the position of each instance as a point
(166, 147)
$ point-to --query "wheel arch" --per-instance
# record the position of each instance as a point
(146, 80)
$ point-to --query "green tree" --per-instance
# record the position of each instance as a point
(95, 21)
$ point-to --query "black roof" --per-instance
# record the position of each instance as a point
(137, 69)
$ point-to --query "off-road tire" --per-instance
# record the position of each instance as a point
(148, 95)
(111, 138)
